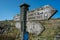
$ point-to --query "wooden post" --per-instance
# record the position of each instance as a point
(23, 17)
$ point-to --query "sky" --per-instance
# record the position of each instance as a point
(9, 8)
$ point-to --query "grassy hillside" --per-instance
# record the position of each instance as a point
(52, 28)
(11, 34)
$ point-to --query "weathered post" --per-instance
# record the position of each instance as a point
(23, 17)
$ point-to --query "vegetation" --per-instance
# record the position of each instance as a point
(52, 28)
(12, 33)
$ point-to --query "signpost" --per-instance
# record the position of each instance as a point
(23, 20)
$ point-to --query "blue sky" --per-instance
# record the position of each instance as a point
(9, 8)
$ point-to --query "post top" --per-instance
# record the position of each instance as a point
(24, 4)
